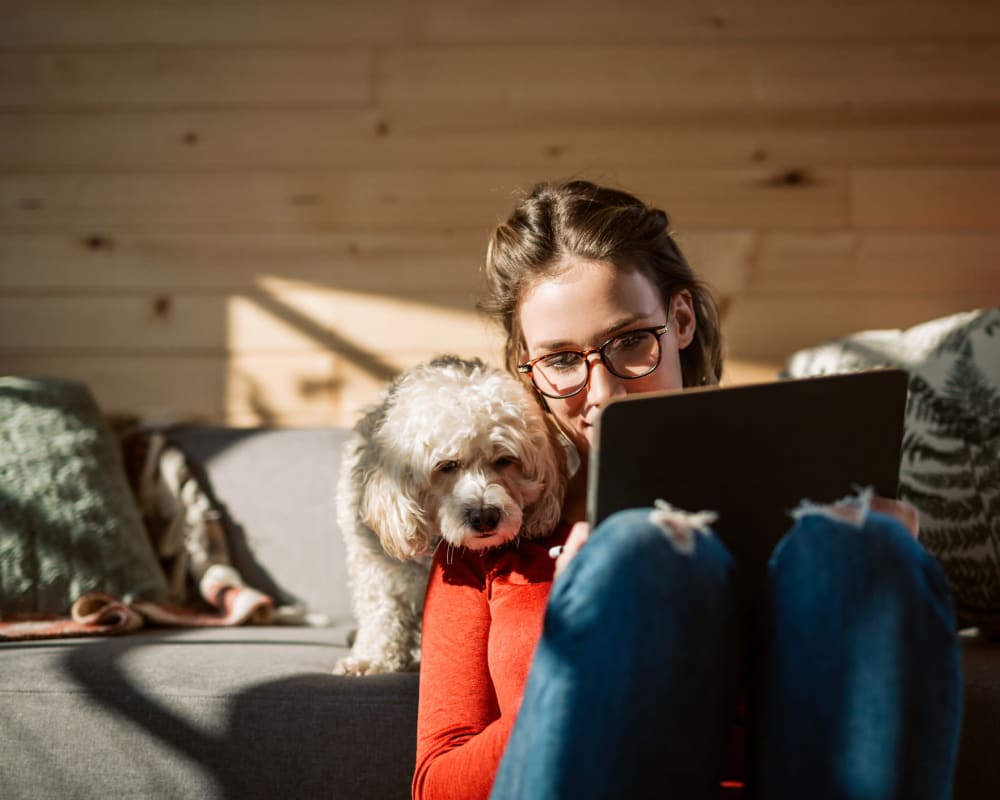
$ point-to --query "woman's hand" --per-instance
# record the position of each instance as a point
(577, 538)
(900, 509)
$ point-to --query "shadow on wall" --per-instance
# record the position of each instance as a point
(361, 357)
(251, 327)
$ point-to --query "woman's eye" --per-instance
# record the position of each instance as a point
(561, 361)
(447, 466)
(628, 341)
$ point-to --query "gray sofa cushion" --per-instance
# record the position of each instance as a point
(276, 489)
(240, 712)
(225, 712)
(254, 713)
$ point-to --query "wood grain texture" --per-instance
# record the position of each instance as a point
(218, 23)
(692, 76)
(307, 388)
(261, 211)
(402, 201)
(771, 327)
(281, 320)
(190, 77)
(103, 260)
(47, 23)
(649, 21)
(306, 139)
(926, 198)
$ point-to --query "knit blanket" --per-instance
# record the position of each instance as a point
(99, 614)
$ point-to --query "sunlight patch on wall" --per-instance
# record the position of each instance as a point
(307, 354)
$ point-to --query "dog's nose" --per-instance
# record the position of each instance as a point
(483, 518)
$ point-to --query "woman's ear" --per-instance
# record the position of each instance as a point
(683, 316)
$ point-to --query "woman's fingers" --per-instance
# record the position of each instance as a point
(901, 510)
(578, 536)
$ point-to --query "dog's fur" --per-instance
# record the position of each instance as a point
(454, 453)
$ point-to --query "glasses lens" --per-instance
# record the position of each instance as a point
(560, 374)
(633, 354)
(628, 355)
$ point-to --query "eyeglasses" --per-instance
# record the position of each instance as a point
(633, 354)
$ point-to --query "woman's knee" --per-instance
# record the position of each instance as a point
(633, 558)
(666, 542)
(872, 550)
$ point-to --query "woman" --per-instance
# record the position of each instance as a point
(851, 679)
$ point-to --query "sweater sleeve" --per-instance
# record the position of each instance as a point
(460, 733)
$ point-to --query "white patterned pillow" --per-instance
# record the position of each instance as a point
(951, 446)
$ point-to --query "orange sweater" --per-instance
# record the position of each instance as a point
(482, 620)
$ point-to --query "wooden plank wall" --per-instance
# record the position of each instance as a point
(258, 211)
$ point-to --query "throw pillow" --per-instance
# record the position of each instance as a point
(950, 466)
(68, 521)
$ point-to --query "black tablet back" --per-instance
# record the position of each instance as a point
(750, 453)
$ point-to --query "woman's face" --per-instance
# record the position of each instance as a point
(582, 307)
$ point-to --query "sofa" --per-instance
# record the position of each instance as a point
(254, 710)
(240, 712)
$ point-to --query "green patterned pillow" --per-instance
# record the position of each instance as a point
(68, 521)
(951, 447)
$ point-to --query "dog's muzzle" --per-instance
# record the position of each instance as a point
(483, 519)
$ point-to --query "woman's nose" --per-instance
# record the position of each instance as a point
(602, 384)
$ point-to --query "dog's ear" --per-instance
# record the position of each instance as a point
(546, 463)
(391, 508)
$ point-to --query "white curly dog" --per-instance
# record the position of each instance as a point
(454, 453)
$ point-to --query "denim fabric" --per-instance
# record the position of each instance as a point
(860, 679)
(633, 686)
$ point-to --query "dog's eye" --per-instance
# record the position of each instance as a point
(505, 461)
(447, 466)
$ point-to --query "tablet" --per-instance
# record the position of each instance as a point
(750, 453)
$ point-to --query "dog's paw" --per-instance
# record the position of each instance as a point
(355, 666)
(349, 665)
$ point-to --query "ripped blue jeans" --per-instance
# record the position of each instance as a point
(850, 667)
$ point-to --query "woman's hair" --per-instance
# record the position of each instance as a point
(582, 220)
